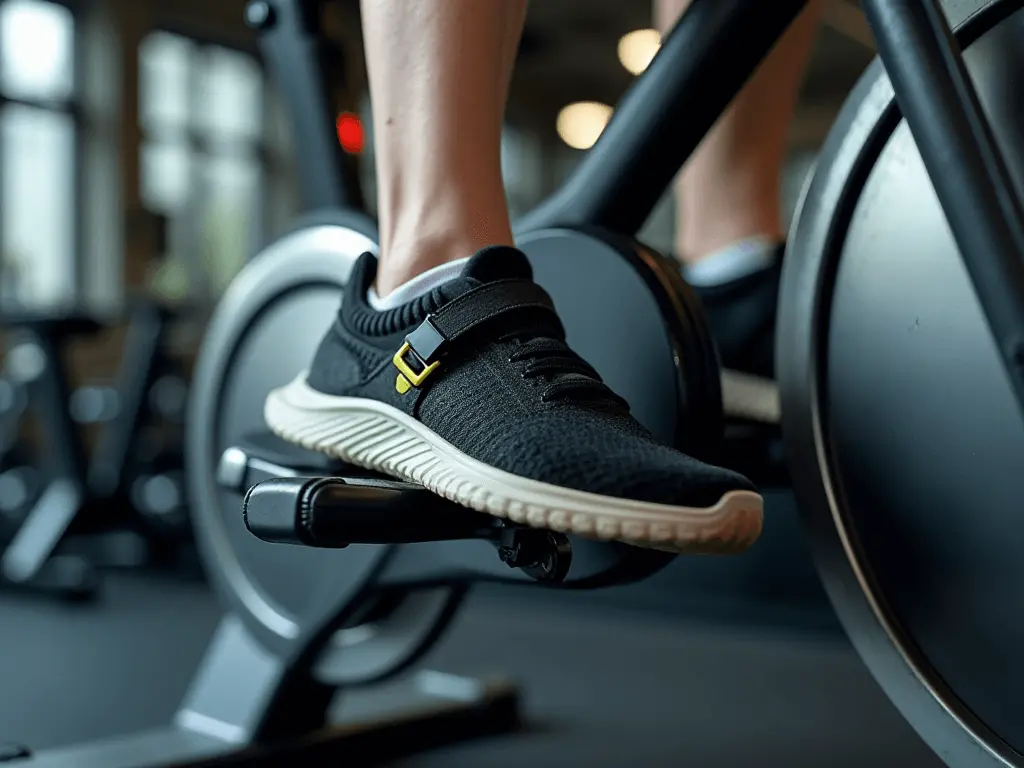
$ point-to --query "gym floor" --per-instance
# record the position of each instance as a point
(604, 686)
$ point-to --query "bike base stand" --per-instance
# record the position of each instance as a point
(375, 724)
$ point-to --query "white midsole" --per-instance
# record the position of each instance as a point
(297, 408)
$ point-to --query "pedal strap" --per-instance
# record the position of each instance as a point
(463, 315)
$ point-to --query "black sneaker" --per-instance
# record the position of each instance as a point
(472, 392)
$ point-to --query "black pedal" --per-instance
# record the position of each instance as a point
(269, 447)
(262, 455)
(334, 512)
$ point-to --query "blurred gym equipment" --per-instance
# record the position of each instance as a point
(126, 507)
(18, 478)
(37, 374)
(139, 459)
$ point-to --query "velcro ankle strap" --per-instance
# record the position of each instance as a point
(473, 309)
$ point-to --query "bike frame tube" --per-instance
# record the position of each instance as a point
(703, 63)
(301, 62)
(967, 169)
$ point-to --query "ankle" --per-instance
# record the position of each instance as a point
(404, 258)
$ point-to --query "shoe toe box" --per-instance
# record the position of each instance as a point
(610, 461)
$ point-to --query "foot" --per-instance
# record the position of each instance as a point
(471, 391)
(742, 312)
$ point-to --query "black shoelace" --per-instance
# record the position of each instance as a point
(565, 373)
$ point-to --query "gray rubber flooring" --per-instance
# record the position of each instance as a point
(604, 686)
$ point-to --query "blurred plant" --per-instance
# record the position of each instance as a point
(170, 279)
(225, 242)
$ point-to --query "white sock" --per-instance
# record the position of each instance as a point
(419, 285)
(742, 258)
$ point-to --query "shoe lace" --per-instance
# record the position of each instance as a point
(565, 373)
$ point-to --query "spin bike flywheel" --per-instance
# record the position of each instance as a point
(265, 330)
(904, 438)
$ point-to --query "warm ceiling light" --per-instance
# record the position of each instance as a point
(637, 48)
(579, 125)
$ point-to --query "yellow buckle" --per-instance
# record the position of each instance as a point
(407, 377)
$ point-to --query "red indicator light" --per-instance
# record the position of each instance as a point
(350, 132)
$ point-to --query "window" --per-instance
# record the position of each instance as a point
(38, 154)
(204, 160)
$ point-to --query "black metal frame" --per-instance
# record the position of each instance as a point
(666, 113)
(309, 72)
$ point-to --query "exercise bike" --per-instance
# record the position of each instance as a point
(120, 507)
(369, 587)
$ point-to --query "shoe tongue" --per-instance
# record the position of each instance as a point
(498, 262)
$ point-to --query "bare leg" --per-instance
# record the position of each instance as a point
(439, 72)
(729, 191)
